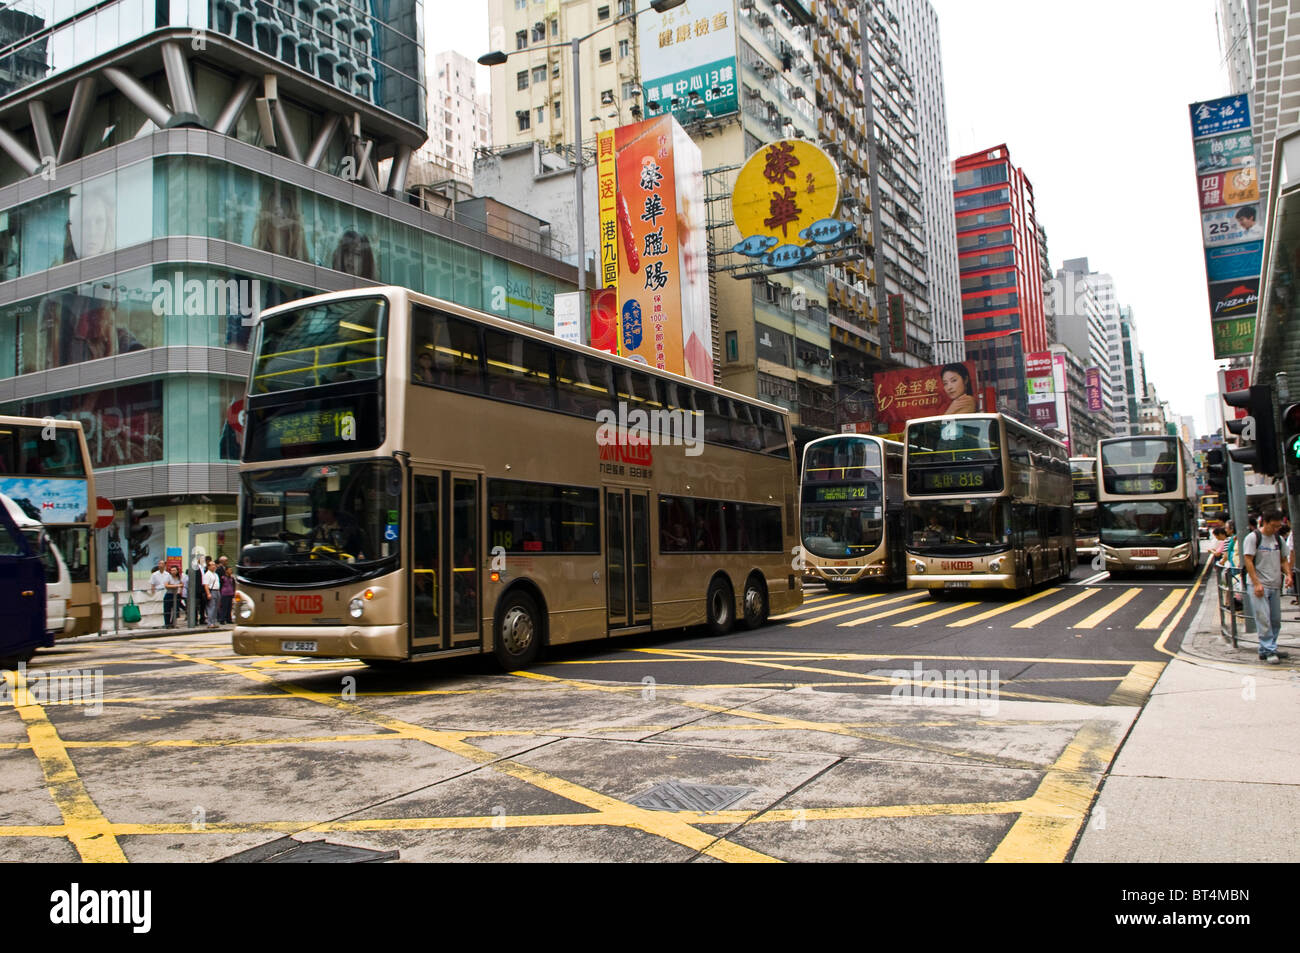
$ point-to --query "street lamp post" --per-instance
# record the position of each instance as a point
(498, 57)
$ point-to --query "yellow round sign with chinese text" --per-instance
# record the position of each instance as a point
(784, 188)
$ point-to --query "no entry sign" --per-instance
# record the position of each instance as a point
(104, 512)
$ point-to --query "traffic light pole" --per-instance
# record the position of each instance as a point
(1239, 512)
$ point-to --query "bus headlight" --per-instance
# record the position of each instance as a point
(995, 565)
(243, 607)
(356, 607)
(918, 565)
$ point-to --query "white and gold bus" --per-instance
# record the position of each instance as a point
(988, 504)
(1083, 473)
(851, 509)
(420, 480)
(1146, 510)
(45, 469)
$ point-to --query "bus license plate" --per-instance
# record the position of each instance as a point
(962, 584)
(297, 646)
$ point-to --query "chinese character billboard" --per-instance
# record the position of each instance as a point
(1092, 386)
(1041, 386)
(652, 248)
(688, 60)
(1232, 220)
(912, 392)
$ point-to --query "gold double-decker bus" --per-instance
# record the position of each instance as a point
(1146, 513)
(988, 504)
(851, 509)
(45, 469)
(1083, 473)
(1213, 512)
(420, 480)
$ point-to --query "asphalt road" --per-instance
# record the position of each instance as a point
(865, 726)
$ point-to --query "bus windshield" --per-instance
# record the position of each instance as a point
(957, 527)
(1145, 523)
(339, 341)
(322, 523)
(1138, 467)
(954, 456)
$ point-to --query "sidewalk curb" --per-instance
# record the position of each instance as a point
(1203, 638)
(133, 635)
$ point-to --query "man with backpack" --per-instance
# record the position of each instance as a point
(1267, 559)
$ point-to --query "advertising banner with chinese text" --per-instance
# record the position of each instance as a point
(913, 392)
(688, 60)
(1232, 221)
(652, 221)
(1041, 389)
(1092, 384)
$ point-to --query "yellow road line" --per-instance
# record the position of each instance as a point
(1178, 616)
(935, 615)
(1001, 609)
(799, 612)
(836, 615)
(1109, 609)
(910, 597)
(1047, 613)
(1051, 817)
(867, 657)
(84, 823)
(1137, 684)
(1158, 614)
(611, 810)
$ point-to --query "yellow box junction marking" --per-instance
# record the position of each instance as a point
(84, 824)
(1001, 609)
(1038, 617)
(935, 615)
(1109, 609)
(1158, 614)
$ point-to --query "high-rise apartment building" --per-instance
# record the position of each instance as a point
(1275, 100)
(532, 91)
(191, 166)
(1236, 21)
(1001, 272)
(1080, 327)
(921, 57)
(459, 123)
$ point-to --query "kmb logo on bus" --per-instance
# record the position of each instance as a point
(957, 564)
(300, 605)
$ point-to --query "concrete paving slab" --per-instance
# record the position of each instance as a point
(23, 798)
(37, 850)
(1162, 820)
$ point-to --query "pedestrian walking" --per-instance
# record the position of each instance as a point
(172, 596)
(212, 593)
(227, 588)
(1268, 562)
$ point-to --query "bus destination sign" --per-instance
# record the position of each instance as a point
(950, 479)
(840, 494)
(312, 426)
(1139, 486)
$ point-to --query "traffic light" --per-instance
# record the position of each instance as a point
(1291, 439)
(1216, 470)
(1258, 438)
(138, 536)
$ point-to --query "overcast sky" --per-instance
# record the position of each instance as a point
(1091, 98)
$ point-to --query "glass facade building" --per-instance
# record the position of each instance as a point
(170, 169)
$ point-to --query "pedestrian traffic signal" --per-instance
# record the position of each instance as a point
(138, 536)
(1258, 438)
(1216, 470)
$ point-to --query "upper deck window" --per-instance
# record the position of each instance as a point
(321, 344)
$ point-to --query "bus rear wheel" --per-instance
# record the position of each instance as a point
(518, 636)
(755, 603)
(720, 607)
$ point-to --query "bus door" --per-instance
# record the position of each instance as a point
(446, 583)
(627, 557)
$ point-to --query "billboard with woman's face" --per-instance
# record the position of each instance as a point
(912, 392)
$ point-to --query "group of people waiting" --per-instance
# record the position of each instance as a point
(1268, 567)
(216, 592)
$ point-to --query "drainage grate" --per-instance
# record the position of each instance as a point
(286, 850)
(684, 796)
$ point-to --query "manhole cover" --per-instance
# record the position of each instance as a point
(684, 796)
(286, 850)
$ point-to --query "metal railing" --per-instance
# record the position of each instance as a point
(1226, 579)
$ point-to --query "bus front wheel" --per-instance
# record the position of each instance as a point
(720, 606)
(518, 637)
(755, 604)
